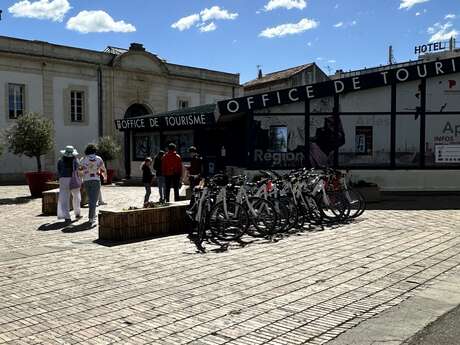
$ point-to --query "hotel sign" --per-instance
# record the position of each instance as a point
(165, 122)
(430, 47)
(340, 86)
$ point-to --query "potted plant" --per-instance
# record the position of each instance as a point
(108, 149)
(32, 135)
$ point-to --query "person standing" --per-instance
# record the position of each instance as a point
(147, 177)
(92, 167)
(171, 166)
(69, 184)
(159, 175)
(196, 167)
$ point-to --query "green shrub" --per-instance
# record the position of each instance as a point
(108, 149)
(31, 135)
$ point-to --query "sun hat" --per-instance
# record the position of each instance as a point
(69, 151)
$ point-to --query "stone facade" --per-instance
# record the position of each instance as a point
(109, 83)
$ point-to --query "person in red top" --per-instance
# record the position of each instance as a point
(171, 166)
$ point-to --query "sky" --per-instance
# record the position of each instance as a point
(238, 35)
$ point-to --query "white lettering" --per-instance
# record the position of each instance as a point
(356, 83)
(384, 74)
(338, 83)
(235, 108)
(293, 99)
(250, 101)
(438, 65)
(420, 73)
(154, 122)
(258, 155)
(265, 99)
(203, 119)
(278, 97)
(398, 74)
(310, 93)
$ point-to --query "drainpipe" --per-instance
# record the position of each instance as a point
(99, 102)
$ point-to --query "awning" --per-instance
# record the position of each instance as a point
(189, 118)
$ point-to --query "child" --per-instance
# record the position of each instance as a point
(147, 177)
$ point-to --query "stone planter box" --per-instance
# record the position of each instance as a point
(144, 223)
(370, 194)
(50, 201)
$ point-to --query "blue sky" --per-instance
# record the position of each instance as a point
(237, 35)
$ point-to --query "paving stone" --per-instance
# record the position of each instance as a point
(59, 287)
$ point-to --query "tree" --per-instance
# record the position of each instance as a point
(108, 149)
(31, 135)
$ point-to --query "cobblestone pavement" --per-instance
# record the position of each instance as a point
(61, 287)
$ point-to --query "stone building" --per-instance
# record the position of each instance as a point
(85, 91)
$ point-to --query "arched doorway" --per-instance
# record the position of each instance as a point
(133, 110)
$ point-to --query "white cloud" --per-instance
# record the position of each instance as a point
(319, 59)
(336, 6)
(287, 4)
(353, 23)
(345, 25)
(450, 16)
(338, 25)
(331, 61)
(202, 19)
(441, 32)
(186, 23)
(209, 27)
(417, 14)
(290, 28)
(216, 13)
(408, 4)
(309, 44)
(97, 21)
(54, 10)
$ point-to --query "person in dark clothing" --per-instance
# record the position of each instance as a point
(159, 175)
(196, 167)
(171, 166)
(147, 177)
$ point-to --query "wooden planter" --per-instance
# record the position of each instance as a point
(143, 223)
(50, 201)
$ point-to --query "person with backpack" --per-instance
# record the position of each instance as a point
(159, 175)
(69, 184)
(171, 166)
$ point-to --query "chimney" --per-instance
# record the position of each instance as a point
(137, 47)
(259, 76)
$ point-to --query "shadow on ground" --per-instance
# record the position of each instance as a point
(417, 201)
(78, 228)
(16, 201)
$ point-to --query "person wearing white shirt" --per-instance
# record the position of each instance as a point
(92, 167)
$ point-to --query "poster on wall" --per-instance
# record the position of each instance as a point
(447, 154)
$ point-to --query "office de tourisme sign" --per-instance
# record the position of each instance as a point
(339, 86)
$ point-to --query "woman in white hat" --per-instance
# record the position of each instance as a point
(69, 183)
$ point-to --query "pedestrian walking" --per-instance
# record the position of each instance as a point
(69, 184)
(159, 175)
(195, 171)
(147, 177)
(171, 166)
(93, 167)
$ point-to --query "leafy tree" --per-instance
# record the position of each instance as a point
(108, 148)
(31, 135)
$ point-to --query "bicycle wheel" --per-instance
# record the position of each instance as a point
(228, 221)
(263, 217)
(333, 207)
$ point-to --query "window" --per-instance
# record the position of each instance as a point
(278, 139)
(77, 101)
(145, 145)
(363, 140)
(16, 97)
(182, 103)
